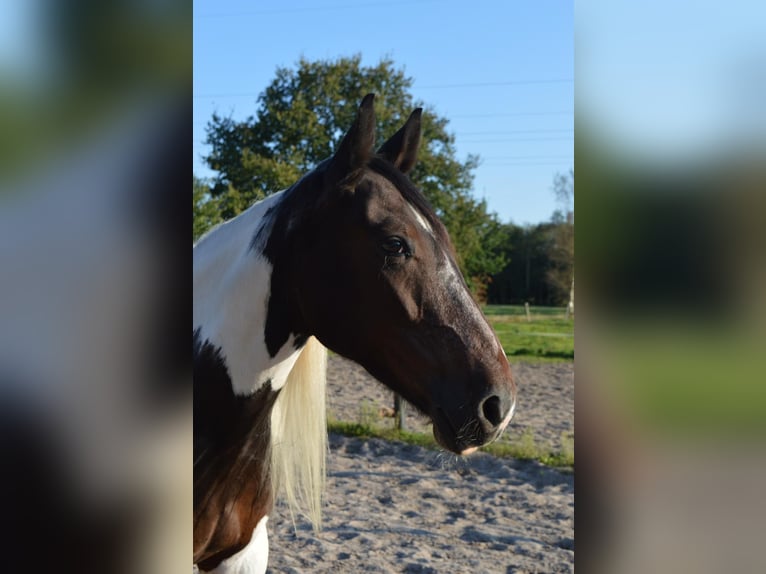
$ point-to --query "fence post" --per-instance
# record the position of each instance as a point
(400, 412)
(526, 308)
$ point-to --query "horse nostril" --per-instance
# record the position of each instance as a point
(492, 410)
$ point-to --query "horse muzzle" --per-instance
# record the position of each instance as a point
(464, 435)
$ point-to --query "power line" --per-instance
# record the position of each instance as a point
(532, 164)
(211, 96)
(540, 157)
(495, 84)
(517, 140)
(512, 115)
(306, 9)
(431, 87)
(505, 132)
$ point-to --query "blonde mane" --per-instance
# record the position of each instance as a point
(299, 435)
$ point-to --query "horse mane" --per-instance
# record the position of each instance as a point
(299, 435)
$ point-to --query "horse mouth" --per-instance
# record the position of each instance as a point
(460, 442)
(470, 436)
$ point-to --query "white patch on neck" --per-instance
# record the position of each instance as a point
(420, 219)
(232, 284)
(253, 558)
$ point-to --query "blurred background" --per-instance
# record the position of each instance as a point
(670, 403)
(95, 409)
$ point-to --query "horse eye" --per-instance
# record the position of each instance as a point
(394, 246)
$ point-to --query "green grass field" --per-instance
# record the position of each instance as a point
(547, 336)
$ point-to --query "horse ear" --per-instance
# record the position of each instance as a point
(401, 149)
(355, 148)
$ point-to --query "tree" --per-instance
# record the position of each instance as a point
(540, 268)
(561, 272)
(300, 119)
(524, 279)
(206, 209)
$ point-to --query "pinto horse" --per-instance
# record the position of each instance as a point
(351, 256)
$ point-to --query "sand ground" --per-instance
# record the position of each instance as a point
(392, 507)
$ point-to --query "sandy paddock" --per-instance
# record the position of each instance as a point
(398, 508)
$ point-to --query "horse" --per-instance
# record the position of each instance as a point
(352, 258)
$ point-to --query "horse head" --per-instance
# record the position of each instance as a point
(373, 276)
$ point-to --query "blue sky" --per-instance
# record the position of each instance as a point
(501, 72)
(673, 81)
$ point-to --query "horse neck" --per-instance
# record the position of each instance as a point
(237, 349)
(232, 286)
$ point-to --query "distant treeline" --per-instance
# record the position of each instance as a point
(539, 265)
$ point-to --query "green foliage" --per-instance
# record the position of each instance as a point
(527, 448)
(561, 256)
(206, 209)
(540, 258)
(560, 275)
(540, 263)
(527, 250)
(479, 239)
(368, 413)
(301, 118)
(567, 447)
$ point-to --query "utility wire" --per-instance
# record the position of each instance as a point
(571, 138)
(430, 87)
(512, 115)
(506, 132)
(306, 9)
(494, 84)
